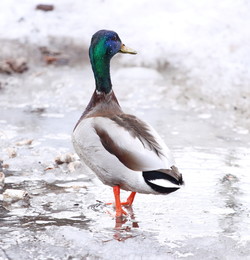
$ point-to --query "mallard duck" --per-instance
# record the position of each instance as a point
(122, 150)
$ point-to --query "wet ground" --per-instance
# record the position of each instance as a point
(65, 216)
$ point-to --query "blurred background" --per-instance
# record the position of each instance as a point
(202, 47)
(190, 80)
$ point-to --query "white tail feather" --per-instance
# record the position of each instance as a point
(164, 183)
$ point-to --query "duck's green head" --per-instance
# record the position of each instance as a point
(104, 45)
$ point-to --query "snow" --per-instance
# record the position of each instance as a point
(202, 47)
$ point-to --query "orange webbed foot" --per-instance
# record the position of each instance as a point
(120, 213)
(118, 204)
(130, 199)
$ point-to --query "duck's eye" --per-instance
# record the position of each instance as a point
(114, 38)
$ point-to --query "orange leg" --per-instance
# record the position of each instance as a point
(118, 205)
(130, 199)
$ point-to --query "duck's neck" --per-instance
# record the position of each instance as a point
(101, 69)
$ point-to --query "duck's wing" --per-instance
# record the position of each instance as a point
(136, 145)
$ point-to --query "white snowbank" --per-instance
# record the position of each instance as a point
(203, 46)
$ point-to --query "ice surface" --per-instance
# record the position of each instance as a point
(66, 217)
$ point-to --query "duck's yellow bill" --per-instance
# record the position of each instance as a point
(125, 49)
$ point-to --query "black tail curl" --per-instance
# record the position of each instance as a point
(155, 175)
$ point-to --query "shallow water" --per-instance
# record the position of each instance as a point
(66, 216)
